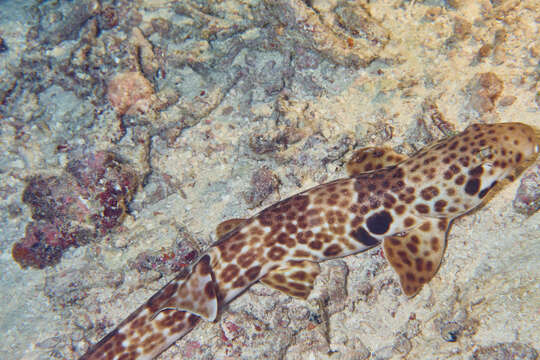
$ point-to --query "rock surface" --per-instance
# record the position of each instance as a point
(240, 103)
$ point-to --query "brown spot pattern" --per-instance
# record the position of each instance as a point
(413, 256)
(276, 253)
(442, 181)
(408, 222)
(332, 250)
(229, 272)
(429, 193)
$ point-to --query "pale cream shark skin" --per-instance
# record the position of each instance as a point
(405, 203)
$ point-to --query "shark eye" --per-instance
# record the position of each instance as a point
(485, 153)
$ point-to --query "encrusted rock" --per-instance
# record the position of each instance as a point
(486, 90)
(66, 22)
(130, 93)
(166, 260)
(108, 18)
(263, 183)
(507, 100)
(38, 247)
(433, 13)
(88, 200)
(347, 34)
(456, 4)
(462, 28)
(261, 143)
(485, 51)
(527, 200)
(68, 287)
(243, 336)
(143, 53)
(535, 49)
(3, 46)
(450, 331)
(505, 351)
(333, 289)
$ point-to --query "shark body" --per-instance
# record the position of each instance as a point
(405, 204)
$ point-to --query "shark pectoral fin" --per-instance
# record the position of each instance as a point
(296, 278)
(197, 293)
(372, 158)
(227, 226)
(416, 256)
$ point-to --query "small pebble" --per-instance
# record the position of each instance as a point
(121, 242)
(507, 100)
(263, 183)
(129, 92)
(83, 321)
(108, 18)
(527, 200)
(535, 50)
(486, 90)
(462, 28)
(402, 345)
(485, 50)
(505, 351)
(3, 46)
(433, 13)
(49, 343)
(450, 331)
(456, 4)
(77, 335)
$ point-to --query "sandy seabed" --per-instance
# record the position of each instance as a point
(218, 109)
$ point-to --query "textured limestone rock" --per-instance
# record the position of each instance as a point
(290, 86)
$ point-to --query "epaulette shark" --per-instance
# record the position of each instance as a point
(407, 204)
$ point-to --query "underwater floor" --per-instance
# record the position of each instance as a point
(130, 129)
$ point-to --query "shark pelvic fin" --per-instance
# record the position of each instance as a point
(296, 278)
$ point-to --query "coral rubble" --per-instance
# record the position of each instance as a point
(85, 202)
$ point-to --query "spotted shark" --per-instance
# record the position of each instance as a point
(404, 203)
